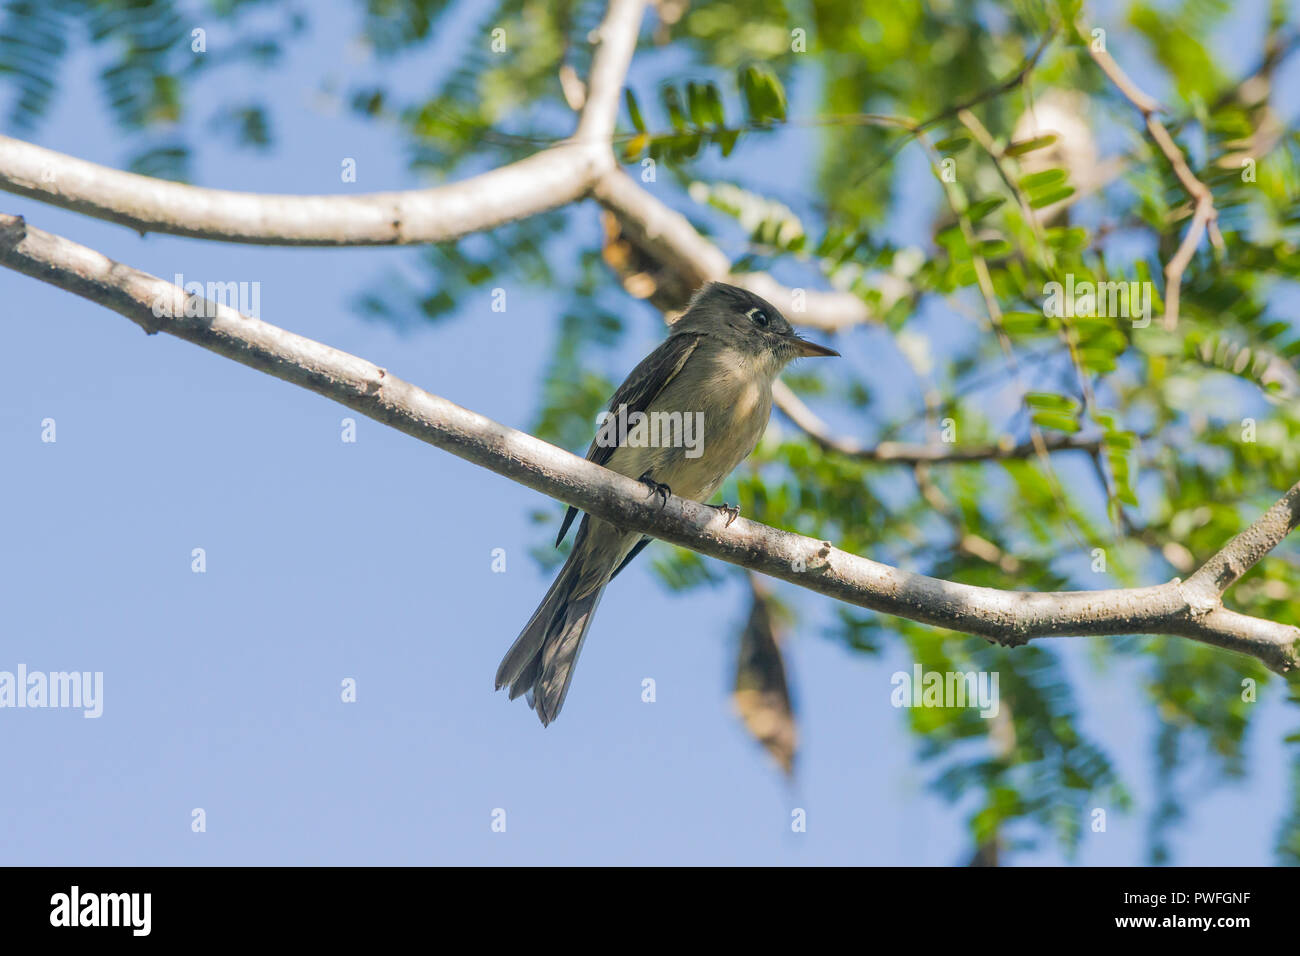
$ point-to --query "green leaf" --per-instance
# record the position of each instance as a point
(764, 97)
(672, 101)
(697, 104)
(1023, 323)
(1100, 361)
(636, 146)
(953, 144)
(776, 96)
(1051, 401)
(978, 210)
(1029, 145)
(1036, 181)
(1055, 421)
(713, 106)
(1062, 239)
(1054, 196)
(634, 111)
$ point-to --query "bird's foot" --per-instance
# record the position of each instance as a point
(656, 488)
(731, 511)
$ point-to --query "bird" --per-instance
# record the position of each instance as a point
(714, 371)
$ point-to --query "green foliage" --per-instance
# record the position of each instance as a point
(771, 225)
(697, 117)
(146, 48)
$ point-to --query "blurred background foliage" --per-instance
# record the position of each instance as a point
(1189, 434)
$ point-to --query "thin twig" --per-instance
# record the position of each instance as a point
(1069, 335)
(1206, 216)
(985, 283)
(908, 453)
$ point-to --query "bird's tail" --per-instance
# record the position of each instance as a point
(541, 660)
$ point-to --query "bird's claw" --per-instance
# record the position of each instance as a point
(731, 511)
(656, 488)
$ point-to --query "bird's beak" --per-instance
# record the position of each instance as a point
(803, 347)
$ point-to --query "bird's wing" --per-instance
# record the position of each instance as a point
(636, 549)
(640, 388)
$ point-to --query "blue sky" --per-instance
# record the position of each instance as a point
(372, 561)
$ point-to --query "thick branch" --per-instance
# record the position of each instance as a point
(669, 238)
(616, 42)
(547, 180)
(1243, 552)
(1007, 617)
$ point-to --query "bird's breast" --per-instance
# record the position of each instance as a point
(719, 404)
(730, 401)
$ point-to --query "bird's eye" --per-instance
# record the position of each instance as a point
(758, 317)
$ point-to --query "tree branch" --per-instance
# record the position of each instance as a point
(554, 177)
(669, 238)
(913, 454)
(1205, 215)
(616, 42)
(544, 181)
(1206, 586)
(1006, 617)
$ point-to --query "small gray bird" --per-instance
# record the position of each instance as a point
(715, 370)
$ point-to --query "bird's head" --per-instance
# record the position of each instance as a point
(747, 323)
